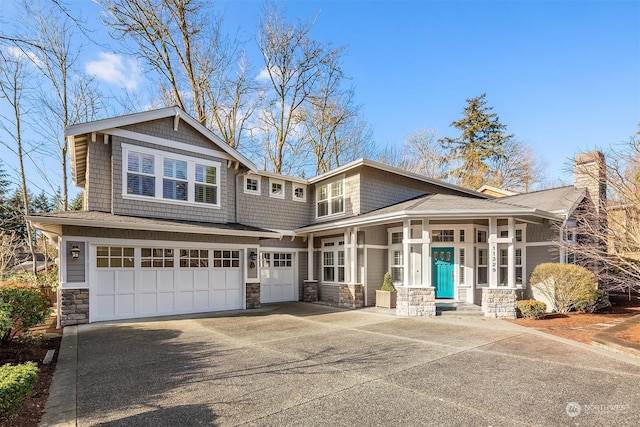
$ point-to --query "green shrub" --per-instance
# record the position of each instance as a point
(387, 283)
(531, 309)
(16, 384)
(590, 301)
(564, 285)
(6, 320)
(44, 279)
(27, 307)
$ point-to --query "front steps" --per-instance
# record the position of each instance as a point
(457, 308)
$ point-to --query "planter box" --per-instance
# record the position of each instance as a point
(386, 299)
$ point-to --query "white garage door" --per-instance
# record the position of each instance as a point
(277, 277)
(135, 282)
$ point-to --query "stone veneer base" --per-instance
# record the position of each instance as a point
(416, 301)
(74, 307)
(499, 302)
(351, 296)
(253, 295)
(310, 291)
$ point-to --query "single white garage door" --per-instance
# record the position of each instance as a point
(277, 277)
(133, 282)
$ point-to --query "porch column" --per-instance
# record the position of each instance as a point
(426, 253)
(310, 266)
(353, 245)
(406, 235)
(347, 255)
(511, 253)
(493, 252)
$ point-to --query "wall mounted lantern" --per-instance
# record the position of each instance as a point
(75, 252)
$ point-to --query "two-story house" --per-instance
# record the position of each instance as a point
(175, 221)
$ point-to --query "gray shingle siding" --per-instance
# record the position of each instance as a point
(283, 243)
(376, 267)
(98, 177)
(163, 128)
(76, 267)
(544, 232)
(117, 233)
(270, 212)
(303, 270)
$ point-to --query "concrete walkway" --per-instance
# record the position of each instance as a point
(305, 364)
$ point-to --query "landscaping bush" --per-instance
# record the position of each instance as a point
(6, 320)
(387, 283)
(16, 384)
(44, 279)
(564, 285)
(25, 306)
(590, 301)
(531, 309)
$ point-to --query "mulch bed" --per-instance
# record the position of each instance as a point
(30, 414)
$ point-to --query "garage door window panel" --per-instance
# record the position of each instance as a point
(194, 258)
(156, 258)
(114, 257)
(226, 259)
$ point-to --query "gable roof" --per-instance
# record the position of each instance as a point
(561, 200)
(438, 206)
(392, 169)
(78, 136)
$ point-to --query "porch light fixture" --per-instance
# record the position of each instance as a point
(75, 252)
(253, 256)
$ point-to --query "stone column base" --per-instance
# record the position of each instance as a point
(253, 295)
(499, 302)
(310, 291)
(351, 296)
(74, 307)
(416, 301)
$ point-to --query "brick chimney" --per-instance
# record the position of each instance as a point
(590, 172)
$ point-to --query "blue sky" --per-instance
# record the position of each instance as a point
(563, 76)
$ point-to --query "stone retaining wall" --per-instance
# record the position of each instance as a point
(310, 291)
(74, 307)
(416, 301)
(351, 296)
(253, 295)
(499, 302)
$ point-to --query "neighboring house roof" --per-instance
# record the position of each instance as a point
(441, 206)
(561, 200)
(496, 192)
(53, 222)
(78, 143)
(403, 172)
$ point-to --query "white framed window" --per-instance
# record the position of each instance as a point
(330, 198)
(252, 185)
(481, 236)
(461, 266)
(114, 257)
(442, 235)
(333, 267)
(504, 266)
(396, 255)
(276, 188)
(182, 179)
(156, 257)
(194, 258)
(226, 259)
(482, 266)
(299, 192)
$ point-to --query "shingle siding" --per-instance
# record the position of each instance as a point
(376, 267)
(163, 128)
(98, 177)
(544, 232)
(271, 212)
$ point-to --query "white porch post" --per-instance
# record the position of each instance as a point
(354, 255)
(511, 253)
(347, 255)
(310, 257)
(426, 253)
(493, 253)
(406, 235)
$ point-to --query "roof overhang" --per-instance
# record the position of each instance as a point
(534, 216)
(53, 226)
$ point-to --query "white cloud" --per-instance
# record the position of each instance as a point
(18, 53)
(263, 75)
(116, 70)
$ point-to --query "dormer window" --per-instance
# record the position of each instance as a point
(276, 188)
(140, 174)
(252, 185)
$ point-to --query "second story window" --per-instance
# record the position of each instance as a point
(299, 193)
(168, 177)
(276, 188)
(252, 185)
(330, 198)
(140, 174)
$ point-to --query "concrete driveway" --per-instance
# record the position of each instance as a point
(310, 365)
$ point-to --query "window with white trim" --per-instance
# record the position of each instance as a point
(276, 188)
(299, 192)
(194, 258)
(276, 260)
(252, 185)
(330, 198)
(442, 235)
(482, 266)
(461, 266)
(226, 259)
(504, 266)
(180, 178)
(156, 257)
(396, 255)
(114, 257)
(333, 267)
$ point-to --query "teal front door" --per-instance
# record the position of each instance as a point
(442, 272)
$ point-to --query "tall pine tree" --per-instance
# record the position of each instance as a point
(481, 141)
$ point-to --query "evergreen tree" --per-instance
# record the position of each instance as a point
(77, 203)
(41, 203)
(481, 141)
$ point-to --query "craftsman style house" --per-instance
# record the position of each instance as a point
(175, 221)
